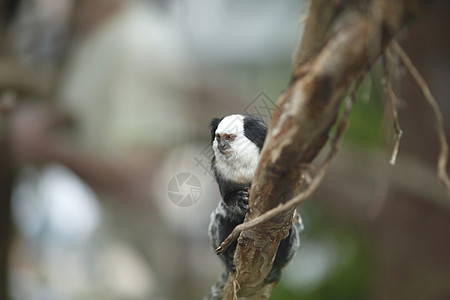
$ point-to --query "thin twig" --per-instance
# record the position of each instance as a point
(393, 102)
(315, 182)
(236, 288)
(420, 82)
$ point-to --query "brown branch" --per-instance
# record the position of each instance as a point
(313, 185)
(420, 82)
(320, 17)
(299, 130)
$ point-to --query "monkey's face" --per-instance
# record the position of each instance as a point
(224, 143)
(230, 141)
(228, 145)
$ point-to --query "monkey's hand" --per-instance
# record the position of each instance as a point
(243, 196)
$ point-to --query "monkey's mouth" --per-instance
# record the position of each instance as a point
(225, 152)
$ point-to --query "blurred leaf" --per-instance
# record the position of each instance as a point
(365, 119)
(349, 278)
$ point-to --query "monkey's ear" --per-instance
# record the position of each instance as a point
(214, 123)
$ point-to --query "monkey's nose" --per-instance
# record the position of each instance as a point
(223, 145)
(224, 148)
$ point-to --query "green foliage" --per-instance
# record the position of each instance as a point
(348, 275)
(365, 119)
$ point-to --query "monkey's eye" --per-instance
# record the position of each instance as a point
(230, 137)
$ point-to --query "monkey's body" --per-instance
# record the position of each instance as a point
(237, 141)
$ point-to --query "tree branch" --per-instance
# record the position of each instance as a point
(418, 79)
(393, 102)
(320, 17)
(353, 40)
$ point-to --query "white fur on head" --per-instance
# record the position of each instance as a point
(240, 165)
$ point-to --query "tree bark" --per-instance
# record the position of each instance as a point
(342, 39)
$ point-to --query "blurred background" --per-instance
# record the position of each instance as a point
(105, 190)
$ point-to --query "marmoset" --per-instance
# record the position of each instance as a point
(237, 141)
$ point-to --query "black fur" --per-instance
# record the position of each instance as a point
(222, 224)
(255, 130)
(213, 125)
(234, 205)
